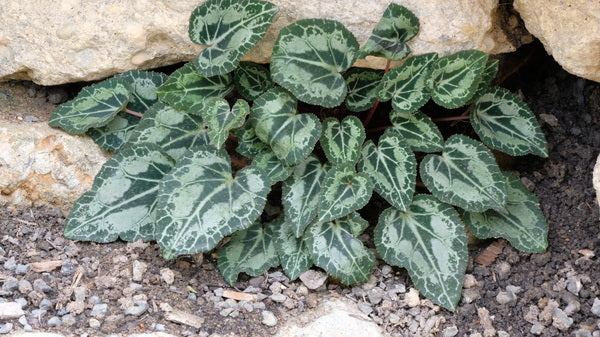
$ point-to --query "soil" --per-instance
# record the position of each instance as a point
(567, 274)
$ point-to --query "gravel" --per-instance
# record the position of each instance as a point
(268, 318)
(596, 307)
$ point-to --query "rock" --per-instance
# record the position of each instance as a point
(451, 331)
(596, 307)
(560, 320)
(486, 322)
(268, 318)
(332, 317)
(470, 295)
(67, 268)
(10, 310)
(54, 321)
(139, 308)
(69, 320)
(365, 308)
(99, 310)
(94, 323)
(574, 285)
(138, 270)
(537, 328)
(313, 279)
(583, 333)
(101, 38)
(225, 312)
(42, 165)
(412, 298)
(25, 286)
(10, 284)
(22, 302)
(470, 281)
(279, 298)
(182, 317)
(575, 18)
(41, 286)
(502, 270)
(167, 275)
(75, 307)
(509, 296)
(45, 304)
(532, 314)
(21, 269)
(546, 314)
(6, 328)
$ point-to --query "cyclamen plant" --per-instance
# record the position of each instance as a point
(171, 179)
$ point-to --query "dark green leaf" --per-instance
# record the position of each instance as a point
(456, 77)
(252, 80)
(362, 84)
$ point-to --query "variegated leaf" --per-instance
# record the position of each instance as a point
(200, 202)
(94, 106)
(116, 133)
(362, 84)
(506, 123)
(273, 167)
(249, 144)
(292, 136)
(187, 90)
(341, 142)
(144, 84)
(334, 247)
(174, 130)
(309, 56)
(293, 252)
(393, 168)
(430, 241)
(252, 80)
(456, 77)
(408, 86)
(417, 130)
(220, 119)
(122, 201)
(465, 175)
(230, 28)
(489, 73)
(342, 192)
(300, 196)
(251, 251)
(523, 224)
(396, 27)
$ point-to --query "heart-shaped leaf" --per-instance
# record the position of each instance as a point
(200, 202)
(465, 175)
(309, 56)
(122, 201)
(342, 192)
(187, 90)
(293, 252)
(430, 241)
(523, 224)
(417, 130)
(116, 133)
(249, 144)
(362, 84)
(94, 106)
(393, 168)
(174, 130)
(396, 27)
(334, 247)
(292, 136)
(251, 251)
(456, 77)
(489, 73)
(272, 166)
(505, 123)
(341, 142)
(300, 196)
(145, 85)
(252, 80)
(230, 28)
(220, 119)
(409, 86)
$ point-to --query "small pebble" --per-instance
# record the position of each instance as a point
(451, 331)
(276, 287)
(23, 320)
(393, 318)
(313, 279)
(69, 320)
(225, 312)
(139, 308)
(157, 327)
(560, 320)
(503, 334)
(596, 307)
(259, 305)
(537, 329)
(22, 302)
(412, 298)
(10, 264)
(268, 318)
(583, 333)
(469, 281)
(41, 286)
(386, 271)
(67, 268)
(365, 308)
(279, 298)
(191, 297)
(54, 321)
(25, 286)
(80, 293)
(10, 284)
(574, 285)
(167, 275)
(31, 119)
(138, 270)
(21, 269)
(302, 291)
(257, 281)
(45, 304)
(6, 328)
(99, 310)
(94, 323)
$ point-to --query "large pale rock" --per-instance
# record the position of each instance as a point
(40, 165)
(569, 30)
(53, 42)
(335, 317)
(596, 179)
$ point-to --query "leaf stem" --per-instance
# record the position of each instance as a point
(453, 118)
(374, 107)
(135, 113)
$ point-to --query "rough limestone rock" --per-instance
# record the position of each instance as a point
(54, 42)
(596, 179)
(569, 30)
(40, 165)
(334, 317)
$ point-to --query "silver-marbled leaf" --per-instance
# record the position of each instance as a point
(393, 168)
(523, 224)
(309, 56)
(94, 106)
(335, 248)
(430, 241)
(488, 75)
(200, 201)
(408, 86)
(230, 28)
(144, 84)
(251, 251)
(116, 133)
(362, 88)
(221, 119)
(293, 252)
(273, 167)
(249, 144)
(342, 142)
(417, 130)
(291, 136)
(465, 175)
(300, 194)
(187, 90)
(342, 192)
(506, 123)
(174, 130)
(397, 25)
(122, 201)
(456, 77)
(252, 80)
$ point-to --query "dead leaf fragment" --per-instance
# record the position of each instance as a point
(238, 296)
(183, 317)
(45, 266)
(490, 253)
